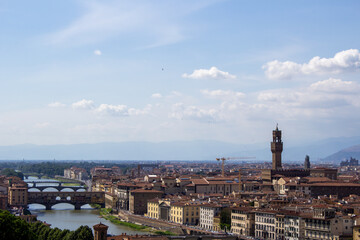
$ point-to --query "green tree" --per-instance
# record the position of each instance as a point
(44, 233)
(84, 233)
(58, 234)
(225, 219)
(11, 172)
(63, 234)
(14, 228)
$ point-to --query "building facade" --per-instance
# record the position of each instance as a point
(265, 224)
(185, 213)
(207, 214)
(18, 195)
(138, 200)
(243, 222)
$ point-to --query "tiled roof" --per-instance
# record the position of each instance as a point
(145, 191)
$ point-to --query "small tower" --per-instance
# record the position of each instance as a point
(240, 183)
(276, 149)
(100, 231)
(307, 162)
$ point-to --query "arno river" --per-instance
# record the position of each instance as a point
(64, 216)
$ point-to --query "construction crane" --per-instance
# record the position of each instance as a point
(223, 159)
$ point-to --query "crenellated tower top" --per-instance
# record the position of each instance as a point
(276, 149)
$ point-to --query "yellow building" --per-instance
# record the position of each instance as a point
(185, 213)
(280, 226)
(153, 208)
(356, 232)
(216, 224)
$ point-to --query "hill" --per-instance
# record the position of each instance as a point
(353, 151)
(176, 150)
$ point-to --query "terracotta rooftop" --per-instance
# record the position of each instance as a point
(145, 191)
(201, 181)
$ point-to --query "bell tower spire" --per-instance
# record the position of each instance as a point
(276, 149)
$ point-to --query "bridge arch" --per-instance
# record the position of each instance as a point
(36, 206)
(66, 189)
(78, 199)
(34, 189)
(48, 189)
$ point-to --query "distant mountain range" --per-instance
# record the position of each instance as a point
(183, 150)
(346, 153)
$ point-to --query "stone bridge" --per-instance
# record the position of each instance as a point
(59, 188)
(41, 185)
(78, 199)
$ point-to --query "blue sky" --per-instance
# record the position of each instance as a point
(114, 71)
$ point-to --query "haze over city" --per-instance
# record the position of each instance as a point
(179, 120)
(117, 71)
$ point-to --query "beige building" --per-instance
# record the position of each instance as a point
(159, 209)
(169, 181)
(18, 195)
(212, 186)
(243, 222)
(76, 173)
(325, 224)
(110, 201)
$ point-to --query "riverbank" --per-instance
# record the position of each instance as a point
(106, 214)
(156, 224)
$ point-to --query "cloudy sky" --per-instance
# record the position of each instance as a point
(112, 71)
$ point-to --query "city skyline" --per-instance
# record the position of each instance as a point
(116, 71)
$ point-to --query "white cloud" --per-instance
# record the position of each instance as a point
(222, 94)
(121, 110)
(83, 104)
(325, 98)
(109, 109)
(156, 95)
(343, 61)
(212, 73)
(118, 110)
(333, 85)
(97, 52)
(56, 104)
(181, 112)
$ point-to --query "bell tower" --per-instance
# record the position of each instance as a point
(100, 231)
(276, 149)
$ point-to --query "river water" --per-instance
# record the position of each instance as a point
(64, 216)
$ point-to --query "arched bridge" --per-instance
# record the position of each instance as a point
(41, 185)
(78, 199)
(59, 188)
